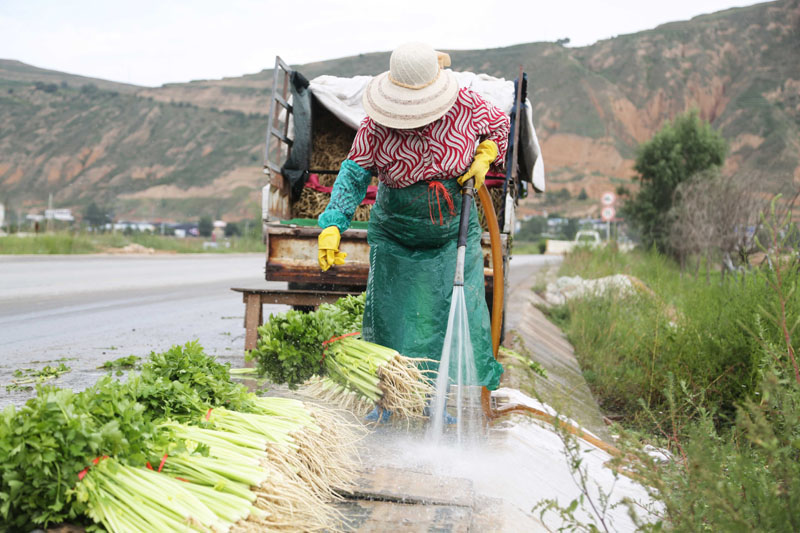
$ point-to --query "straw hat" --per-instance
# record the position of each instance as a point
(415, 91)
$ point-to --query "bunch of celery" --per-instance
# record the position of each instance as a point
(288, 502)
(128, 499)
(314, 445)
(379, 374)
(295, 347)
(300, 448)
(259, 463)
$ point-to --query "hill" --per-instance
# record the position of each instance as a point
(195, 148)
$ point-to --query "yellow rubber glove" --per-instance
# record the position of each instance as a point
(329, 253)
(485, 155)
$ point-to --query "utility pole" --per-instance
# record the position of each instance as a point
(49, 208)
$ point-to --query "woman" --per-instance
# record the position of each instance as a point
(420, 138)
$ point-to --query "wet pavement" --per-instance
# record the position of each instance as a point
(493, 482)
(85, 310)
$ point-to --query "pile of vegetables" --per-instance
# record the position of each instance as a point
(321, 350)
(176, 447)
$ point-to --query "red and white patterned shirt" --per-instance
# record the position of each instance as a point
(443, 149)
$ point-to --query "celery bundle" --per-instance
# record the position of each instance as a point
(296, 348)
(132, 500)
(379, 374)
(240, 464)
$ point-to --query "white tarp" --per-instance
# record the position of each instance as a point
(342, 97)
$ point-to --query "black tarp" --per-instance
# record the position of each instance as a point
(526, 152)
(295, 169)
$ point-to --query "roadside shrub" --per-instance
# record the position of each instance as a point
(740, 479)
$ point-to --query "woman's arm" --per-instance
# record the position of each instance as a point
(491, 124)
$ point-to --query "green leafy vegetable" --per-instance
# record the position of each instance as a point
(131, 361)
(57, 434)
(294, 347)
(28, 376)
(183, 381)
(290, 344)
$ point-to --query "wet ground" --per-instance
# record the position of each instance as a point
(493, 482)
(85, 310)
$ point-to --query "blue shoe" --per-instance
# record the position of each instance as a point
(378, 414)
(448, 420)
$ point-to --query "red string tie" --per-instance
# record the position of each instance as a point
(208, 413)
(334, 339)
(82, 473)
(163, 460)
(437, 188)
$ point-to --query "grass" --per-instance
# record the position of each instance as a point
(696, 333)
(521, 247)
(86, 243)
(707, 371)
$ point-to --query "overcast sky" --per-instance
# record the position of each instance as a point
(151, 42)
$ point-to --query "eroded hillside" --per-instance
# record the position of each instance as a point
(195, 147)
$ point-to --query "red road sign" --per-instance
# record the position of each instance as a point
(607, 214)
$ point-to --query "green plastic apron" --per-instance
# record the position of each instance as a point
(412, 266)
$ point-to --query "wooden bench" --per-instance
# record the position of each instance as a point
(254, 300)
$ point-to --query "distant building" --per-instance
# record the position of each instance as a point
(64, 215)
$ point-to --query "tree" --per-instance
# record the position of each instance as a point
(583, 195)
(680, 150)
(89, 89)
(571, 228)
(532, 229)
(712, 212)
(557, 197)
(232, 230)
(205, 226)
(94, 216)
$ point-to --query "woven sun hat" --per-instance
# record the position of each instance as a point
(415, 91)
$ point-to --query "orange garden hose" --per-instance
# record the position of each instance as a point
(498, 288)
(497, 325)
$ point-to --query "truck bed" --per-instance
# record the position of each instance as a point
(292, 256)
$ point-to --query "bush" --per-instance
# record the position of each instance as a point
(746, 478)
(734, 438)
(46, 87)
(89, 89)
(531, 229)
(232, 229)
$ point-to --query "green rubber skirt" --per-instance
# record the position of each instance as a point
(412, 266)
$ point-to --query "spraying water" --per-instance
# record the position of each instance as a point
(457, 370)
(457, 363)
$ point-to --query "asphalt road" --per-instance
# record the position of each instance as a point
(85, 310)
